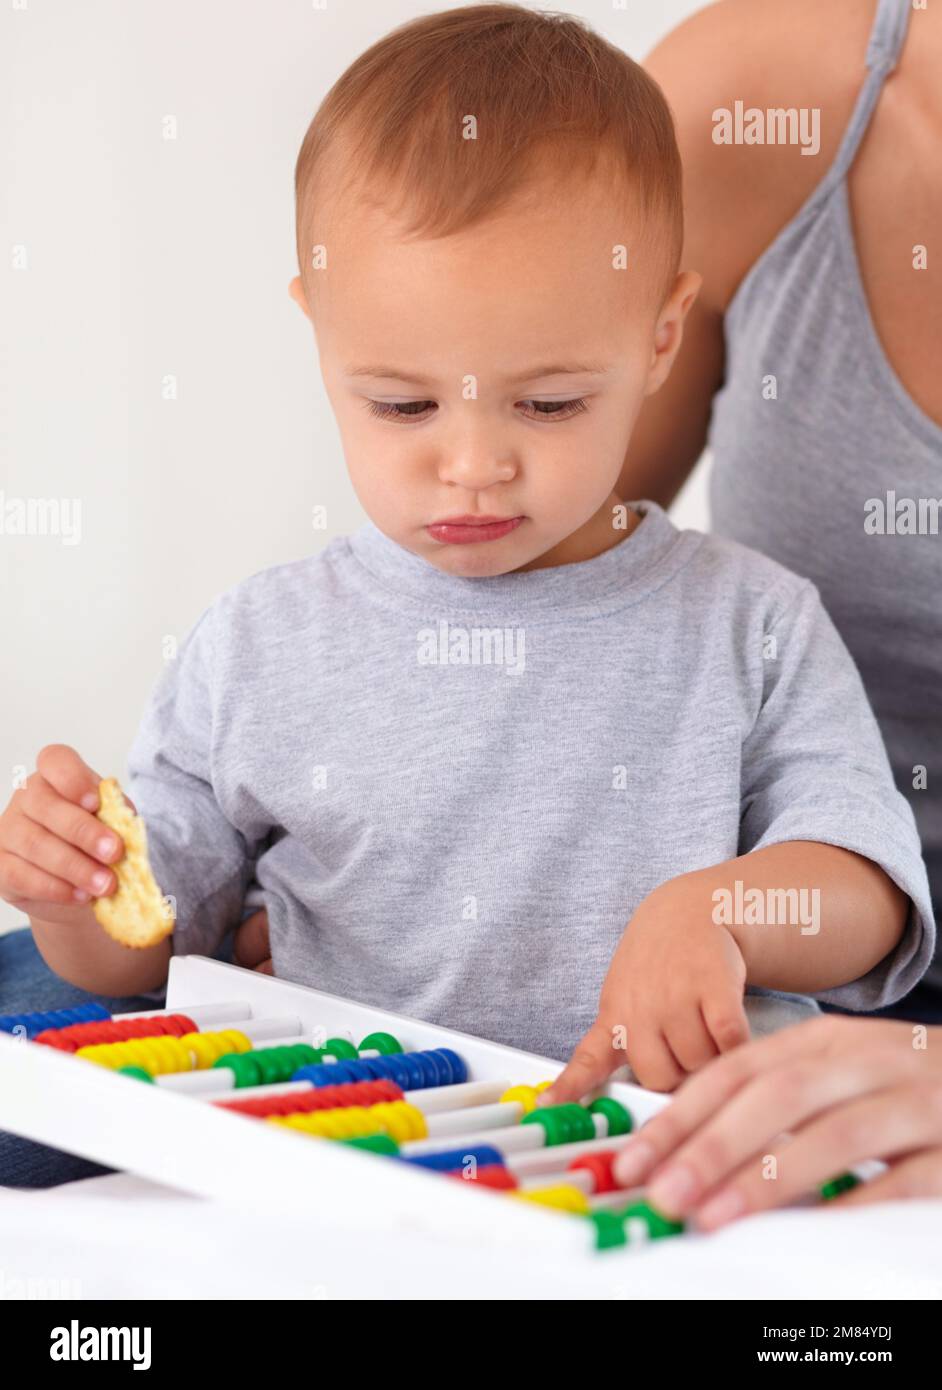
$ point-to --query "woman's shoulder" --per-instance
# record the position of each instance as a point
(742, 56)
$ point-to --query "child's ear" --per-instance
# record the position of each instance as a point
(296, 291)
(669, 331)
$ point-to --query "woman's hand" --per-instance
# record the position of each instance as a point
(845, 1089)
(250, 946)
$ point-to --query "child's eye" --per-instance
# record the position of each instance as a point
(557, 410)
(397, 410)
(411, 410)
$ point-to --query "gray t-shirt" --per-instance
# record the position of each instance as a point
(451, 794)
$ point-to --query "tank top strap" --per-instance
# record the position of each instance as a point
(887, 36)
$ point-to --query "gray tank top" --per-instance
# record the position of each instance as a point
(809, 473)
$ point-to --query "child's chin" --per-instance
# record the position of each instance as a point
(475, 562)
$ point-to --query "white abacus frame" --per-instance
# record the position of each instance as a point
(185, 1143)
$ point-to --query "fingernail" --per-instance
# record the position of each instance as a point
(101, 880)
(726, 1206)
(105, 847)
(90, 801)
(674, 1188)
(633, 1161)
(80, 895)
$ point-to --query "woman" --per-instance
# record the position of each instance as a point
(812, 360)
(812, 366)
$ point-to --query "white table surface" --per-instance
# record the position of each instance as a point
(120, 1236)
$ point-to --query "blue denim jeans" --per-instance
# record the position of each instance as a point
(26, 985)
(923, 1004)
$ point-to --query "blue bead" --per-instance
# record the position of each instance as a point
(441, 1065)
(427, 1069)
(389, 1069)
(40, 1020)
(326, 1074)
(448, 1159)
(417, 1073)
(459, 1072)
(373, 1066)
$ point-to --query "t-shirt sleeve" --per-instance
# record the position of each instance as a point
(197, 855)
(815, 768)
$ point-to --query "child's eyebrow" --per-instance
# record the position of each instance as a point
(531, 374)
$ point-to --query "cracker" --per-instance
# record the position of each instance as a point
(136, 913)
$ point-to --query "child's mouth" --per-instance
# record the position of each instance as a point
(466, 530)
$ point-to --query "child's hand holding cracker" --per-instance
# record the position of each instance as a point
(54, 851)
(58, 835)
(672, 999)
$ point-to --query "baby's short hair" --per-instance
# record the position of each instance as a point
(451, 115)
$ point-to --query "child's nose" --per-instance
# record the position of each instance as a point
(477, 467)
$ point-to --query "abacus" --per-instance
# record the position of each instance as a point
(253, 1088)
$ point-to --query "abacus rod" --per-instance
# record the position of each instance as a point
(521, 1137)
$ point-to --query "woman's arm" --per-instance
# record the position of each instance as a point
(737, 197)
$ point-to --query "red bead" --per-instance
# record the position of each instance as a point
(317, 1098)
(600, 1166)
(76, 1035)
(488, 1175)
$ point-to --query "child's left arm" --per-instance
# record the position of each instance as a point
(839, 919)
(673, 995)
(829, 895)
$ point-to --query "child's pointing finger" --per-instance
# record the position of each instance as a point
(592, 1063)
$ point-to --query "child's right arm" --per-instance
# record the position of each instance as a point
(52, 851)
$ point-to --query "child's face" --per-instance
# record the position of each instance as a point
(494, 373)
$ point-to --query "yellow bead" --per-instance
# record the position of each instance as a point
(207, 1048)
(521, 1095)
(156, 1055)
(562, 1197)
(202, 1048)
(93, 1053)
(400, 1120)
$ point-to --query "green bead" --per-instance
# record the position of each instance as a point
(658, 1225)
(275, 1064)
(836, 1186)
(138, 1073)
(619, 1119)
(242, 1065)
(303, 1054)
(562, 1124)
(374, 1143)
(341, 1049)
(383, 1043)
(609, 1229)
